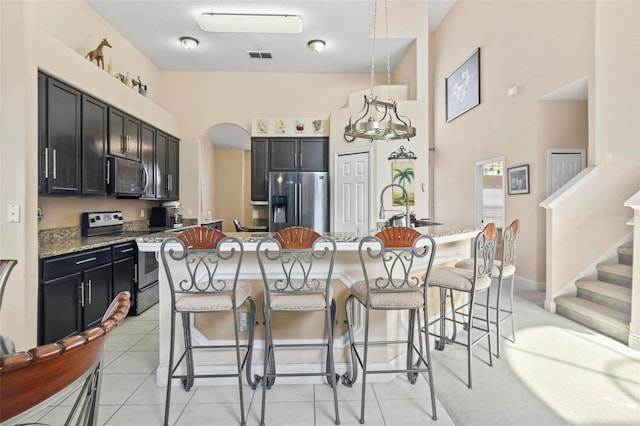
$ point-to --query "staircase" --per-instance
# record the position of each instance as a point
(603, 304)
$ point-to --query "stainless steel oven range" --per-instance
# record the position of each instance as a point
(145, 291)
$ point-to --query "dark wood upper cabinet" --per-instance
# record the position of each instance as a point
(62, 141)
(298, 154)
(283, 154)
(313, 154)
(76, 132)
(259, 169)
(124, 135)
(173, 168)
(148, 157)
(94, 143)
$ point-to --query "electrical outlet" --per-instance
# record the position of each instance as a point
(243, 321)
(141, 212)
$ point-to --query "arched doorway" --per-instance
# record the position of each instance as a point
(225, 167)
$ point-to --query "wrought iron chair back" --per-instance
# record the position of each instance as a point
(388, 258)
(484, 252)
(292, 265)
(202, 266)
(510, 241)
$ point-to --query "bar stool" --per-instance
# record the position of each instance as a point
(504, 268)
(296, 266)
(469, 282)
(194, 263)
(387, 260)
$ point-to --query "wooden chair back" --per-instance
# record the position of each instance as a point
(31, 377)
(201, 237)
(296, 237)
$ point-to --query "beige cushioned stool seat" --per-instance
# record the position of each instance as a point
(457, 279)
(289, 301)
(388, 299)
(212, 302)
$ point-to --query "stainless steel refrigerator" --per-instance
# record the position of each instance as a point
(299, 199)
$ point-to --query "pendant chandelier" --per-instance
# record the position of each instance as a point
(379, 120)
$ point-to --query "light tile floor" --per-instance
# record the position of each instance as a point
(130, 396)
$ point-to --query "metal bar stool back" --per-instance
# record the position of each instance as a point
(396, 264)
(505, 268)
(296, 266)
(202, 266)
(469, 282)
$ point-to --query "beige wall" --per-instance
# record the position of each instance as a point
(18, 173)
(515, 50)
(229, 173)
(62, 212)
(200, 100)
(592, 219)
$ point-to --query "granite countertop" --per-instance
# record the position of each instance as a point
(441, 230)
(72, 245)
(75, 243)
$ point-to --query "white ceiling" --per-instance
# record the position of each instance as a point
(155, 26)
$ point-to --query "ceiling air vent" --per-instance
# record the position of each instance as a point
(260, 55)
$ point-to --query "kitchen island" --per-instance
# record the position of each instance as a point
(453, 242)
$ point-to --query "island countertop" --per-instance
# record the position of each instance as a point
(345, 240)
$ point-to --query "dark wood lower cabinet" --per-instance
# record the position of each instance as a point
(75, 291)
(97, 283)
(61, 313)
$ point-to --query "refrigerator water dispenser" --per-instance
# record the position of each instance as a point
(279, 206)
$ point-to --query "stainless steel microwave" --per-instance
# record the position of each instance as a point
(126, 178)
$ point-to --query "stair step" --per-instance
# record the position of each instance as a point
(625, 255)
(615, 273)
(608, 321)
(610, 295)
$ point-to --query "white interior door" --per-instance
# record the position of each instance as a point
(564, 164)
(352, 200)
(490, 192)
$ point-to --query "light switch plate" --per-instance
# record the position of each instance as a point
(13, 213)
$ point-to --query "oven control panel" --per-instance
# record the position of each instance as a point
(99, 219)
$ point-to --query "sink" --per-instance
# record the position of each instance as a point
(424, 222)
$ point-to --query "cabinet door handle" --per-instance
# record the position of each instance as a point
(108, 172)
(90, 291)
(123, 144)
(135, 273)
(55, 168)
(127, 144)
(85, 260)
(46, 162)
(82, 294)
(126, 250)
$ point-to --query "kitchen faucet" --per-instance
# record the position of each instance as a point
(406, 203)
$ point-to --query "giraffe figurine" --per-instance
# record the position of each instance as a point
(97, 53)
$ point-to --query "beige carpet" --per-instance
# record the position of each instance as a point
(558, 372)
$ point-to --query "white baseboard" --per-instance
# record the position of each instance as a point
(634, 341)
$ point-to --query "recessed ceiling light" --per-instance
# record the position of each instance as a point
(244, 23)
(189, 43)
(316, 45)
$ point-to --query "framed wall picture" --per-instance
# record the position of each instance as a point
(402, 173)
(518, 178)
(463, 87)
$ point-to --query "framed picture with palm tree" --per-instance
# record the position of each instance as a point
(402, 173)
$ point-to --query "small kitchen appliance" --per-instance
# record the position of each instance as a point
(165, 217)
